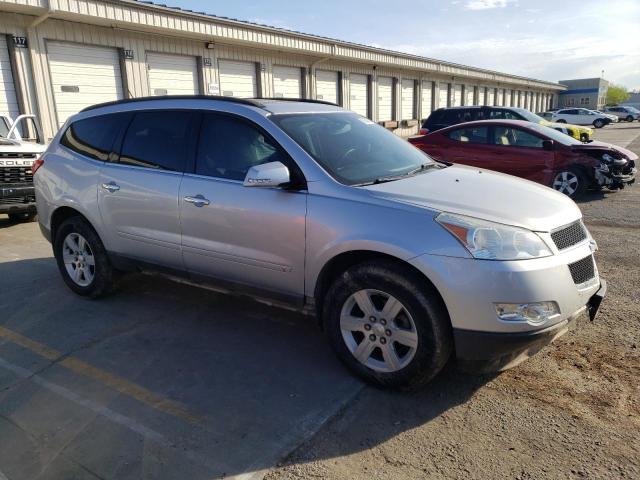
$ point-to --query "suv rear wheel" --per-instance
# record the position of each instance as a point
(598, 123)
(82, 259)
(387, 326)
(629, 118)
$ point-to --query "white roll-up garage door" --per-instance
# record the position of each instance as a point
(500, 99)
(457, 95)
(426, 104)
(358, 93)
(468, 95)
(287, 82)
(8, 99)
(172, 74)
(238, 79)
(507, 98)
(385, 98)
(407, 99)
(83, 75)
(443, 95)
(327, 86)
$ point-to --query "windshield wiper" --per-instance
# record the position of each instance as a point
(392, 178)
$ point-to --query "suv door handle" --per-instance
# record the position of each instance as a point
(198, 200)
(111, 186)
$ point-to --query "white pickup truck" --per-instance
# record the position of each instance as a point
(17, 155)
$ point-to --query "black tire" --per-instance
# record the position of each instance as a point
(104, 275)
(23, 217)
(579, 174)
(561, 121)
(629, 118)
(599, 123)
(421, 301)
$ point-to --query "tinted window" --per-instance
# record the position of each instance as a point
(504, 114)
(229, 147)
(452, 117)
(93, 137)
(158, 140)
(469, 135)
(516, 138)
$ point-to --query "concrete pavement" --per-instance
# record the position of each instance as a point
(159, 380)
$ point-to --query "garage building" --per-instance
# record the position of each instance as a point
(57, 57)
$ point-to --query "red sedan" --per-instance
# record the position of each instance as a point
(534, 152)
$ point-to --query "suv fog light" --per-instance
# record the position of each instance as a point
(536, 313)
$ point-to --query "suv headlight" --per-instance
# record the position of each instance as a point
(494, 241)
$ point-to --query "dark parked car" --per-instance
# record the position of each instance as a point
(534, 152)
(446, 117)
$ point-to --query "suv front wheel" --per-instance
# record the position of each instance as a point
(387, 325)
(82, 259)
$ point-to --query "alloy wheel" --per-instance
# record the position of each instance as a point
(378, 330)
(78, 259)
(566, 182)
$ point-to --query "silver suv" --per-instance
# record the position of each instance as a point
(628, 114)
(404, 260)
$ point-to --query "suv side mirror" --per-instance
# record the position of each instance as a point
(272, 174)
(547, 145)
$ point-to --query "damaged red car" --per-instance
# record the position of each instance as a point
(533, 152)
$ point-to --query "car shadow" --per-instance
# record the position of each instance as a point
(257, 381)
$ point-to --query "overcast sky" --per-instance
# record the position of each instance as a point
(545, 39)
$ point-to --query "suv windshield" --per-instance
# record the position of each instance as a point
(530, 117)
(353, 149)
(555, 135)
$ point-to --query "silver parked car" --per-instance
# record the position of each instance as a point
(405, 260)
(626, 113)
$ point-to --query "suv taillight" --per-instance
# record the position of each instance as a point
(36, 165)
(423, 131)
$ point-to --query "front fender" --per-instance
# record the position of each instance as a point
(336, 226)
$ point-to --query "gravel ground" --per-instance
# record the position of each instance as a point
(572, 411)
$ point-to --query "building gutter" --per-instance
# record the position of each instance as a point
(38, 20)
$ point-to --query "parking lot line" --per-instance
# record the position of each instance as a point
(115, 382)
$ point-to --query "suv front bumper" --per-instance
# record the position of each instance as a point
(17, 198)
(494, 352)
(471, 288)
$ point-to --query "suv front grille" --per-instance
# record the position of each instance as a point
(16, 175)
(570, 235)
(583, 270)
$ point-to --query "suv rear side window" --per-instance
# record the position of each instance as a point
(158, 139)
(93, 137)
(502, 114)
(229, 147)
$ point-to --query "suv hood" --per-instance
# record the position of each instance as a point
(483, 194)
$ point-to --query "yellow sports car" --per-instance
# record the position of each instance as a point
(576, 131)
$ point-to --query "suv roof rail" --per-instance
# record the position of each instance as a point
(304, 100)
(254, 102)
